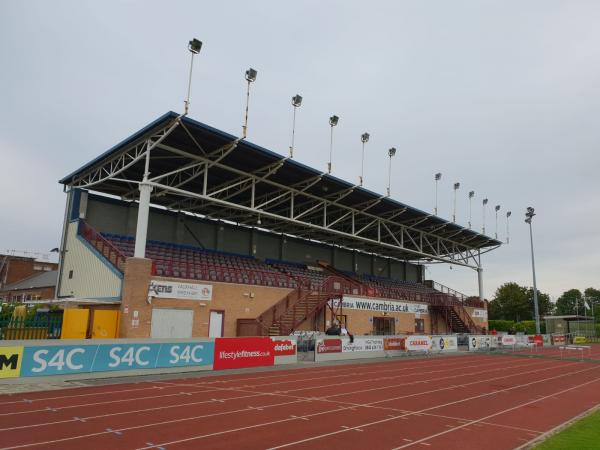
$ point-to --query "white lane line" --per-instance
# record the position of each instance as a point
(487, 394)
(500, 413)
(351, 406)
(212, 389)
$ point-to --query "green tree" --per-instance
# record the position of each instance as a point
(514, 302)
(568, 301)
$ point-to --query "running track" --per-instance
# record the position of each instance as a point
(469, 402)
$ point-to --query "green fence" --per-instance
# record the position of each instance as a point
(38, 327)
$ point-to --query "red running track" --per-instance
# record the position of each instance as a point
(468, 402)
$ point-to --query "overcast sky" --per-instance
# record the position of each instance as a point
(501, 96)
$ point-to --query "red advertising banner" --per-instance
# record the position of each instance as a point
(394, 344)
(237, 353)
(538, 340)
(330, 346)
(284, 347)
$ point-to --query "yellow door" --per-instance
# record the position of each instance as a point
(105, 324)
(75, 323)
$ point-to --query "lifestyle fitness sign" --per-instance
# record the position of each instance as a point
(369, 304)
(182, 291)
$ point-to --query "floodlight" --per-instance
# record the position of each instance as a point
(508, 213)
(194, 46)
(438, 176)
(471, 194)
(297, 100)
(485, 201)
(251, 75)
(364, 137)
(497, 208)
(456, 186)
(392, 151)
(333, 120)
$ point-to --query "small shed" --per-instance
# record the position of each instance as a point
(571, 324)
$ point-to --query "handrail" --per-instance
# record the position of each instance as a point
(100, 243)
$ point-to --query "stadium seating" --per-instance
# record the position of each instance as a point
(186, 261)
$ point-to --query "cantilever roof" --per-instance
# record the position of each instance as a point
(110, 172)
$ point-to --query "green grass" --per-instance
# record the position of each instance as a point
(582, 435)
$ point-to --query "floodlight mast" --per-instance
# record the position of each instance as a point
(497, 208)
(528, 216)
(508, 213)
(471, 195)
(333, 121)
(194, 46)
(438, 177)
(484, 202)
(391, 153)
(250, 78)
(456, 187)
(296, 102)
(364, 138)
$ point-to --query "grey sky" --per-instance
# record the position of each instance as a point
(502, 96)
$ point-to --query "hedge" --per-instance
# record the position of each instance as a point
(527, 326)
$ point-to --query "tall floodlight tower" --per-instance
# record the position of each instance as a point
(250, 78)
(391, 153)
(471, 195)
(508, 213)
(438, 177)
(194, 46)
(296, 102)
(333, 121)
(497, 208)
(484, 202)
(528, 217)
(456, 187)
(364, 138)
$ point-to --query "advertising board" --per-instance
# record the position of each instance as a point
(559, 339)
(481, 342)
(369, 304)
(236, 353)
(284, 347)
(46, 360)
(329, 346)
(394, 344)
(444, 343)
(182, 291)
(363, 345)
(508, 340)
(418, 343)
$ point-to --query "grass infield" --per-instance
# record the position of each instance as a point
(582, 435)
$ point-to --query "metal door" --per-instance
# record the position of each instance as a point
(172, 323)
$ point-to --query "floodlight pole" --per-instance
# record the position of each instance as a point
(194, 47)
(391, 153)
(333, 121)
(245, 133)
(364, 138)
(438, 176)
(456, 187)
(293, 132)
(471, 195)
(508, 213)
(529, 215)
(480, 275)
(485, 201)
(497, 209)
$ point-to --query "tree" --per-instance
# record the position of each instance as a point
(567, 303)
(514, 302)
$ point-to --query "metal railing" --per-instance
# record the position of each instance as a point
(103, 245)
(38, 327)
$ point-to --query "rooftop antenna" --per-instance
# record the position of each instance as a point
(250, 78)
(333, 121)
(364, 138)
(194, 47)
(296, 102)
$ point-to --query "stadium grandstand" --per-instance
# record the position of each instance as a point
(189, 231)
